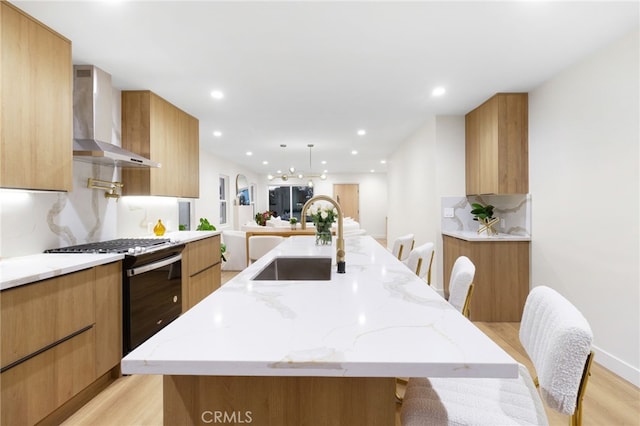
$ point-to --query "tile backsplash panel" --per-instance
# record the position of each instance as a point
(513, 210)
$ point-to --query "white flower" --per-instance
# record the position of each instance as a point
(324, 214)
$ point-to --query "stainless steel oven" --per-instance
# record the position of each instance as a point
(151, 284)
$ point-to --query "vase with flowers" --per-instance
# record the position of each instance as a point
(323, 218)
(262, 218)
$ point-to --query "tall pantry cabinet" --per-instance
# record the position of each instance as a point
(36, 127)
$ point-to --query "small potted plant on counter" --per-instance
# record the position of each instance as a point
(293, 221)
(484, 215)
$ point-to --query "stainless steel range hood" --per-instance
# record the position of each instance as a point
(92, 121)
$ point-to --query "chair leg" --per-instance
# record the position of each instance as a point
(576, 418)
(399, 397)
(467, 301)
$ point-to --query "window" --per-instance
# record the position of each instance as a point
(287, 201)
(224, 191)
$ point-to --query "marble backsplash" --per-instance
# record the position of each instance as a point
(31, 222)
(514, 212)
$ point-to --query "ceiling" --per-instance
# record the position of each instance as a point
(300, 73)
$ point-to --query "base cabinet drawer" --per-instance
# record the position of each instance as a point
(203, 284)
(34, 388)
(39, 314)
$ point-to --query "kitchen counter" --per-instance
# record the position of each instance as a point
(378, 321)
(16, 271)
(474, 236)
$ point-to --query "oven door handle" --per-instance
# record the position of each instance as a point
(155, 265)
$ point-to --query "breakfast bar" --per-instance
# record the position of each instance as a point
(306, 351)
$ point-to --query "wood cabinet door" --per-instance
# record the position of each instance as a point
(36, 150)
(472, 153)
(348, 196)
(155, 128)
(108, 316)
(496, 146)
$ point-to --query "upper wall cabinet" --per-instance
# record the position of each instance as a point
(496, 142)
(36, 127)
(157, 129)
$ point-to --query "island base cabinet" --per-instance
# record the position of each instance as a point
(34, 388)
(277, 401)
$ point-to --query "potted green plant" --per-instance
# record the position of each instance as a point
(484, 215)
(293, 221)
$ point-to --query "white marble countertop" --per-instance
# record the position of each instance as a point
(17, 271)
(474, 236)
(377, 320)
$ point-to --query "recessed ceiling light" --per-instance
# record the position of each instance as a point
(217, 133)
(438, 91)
(265, 162)
(325, 171)
(323, 162)
(354, 152)
(249, 153)
(372, 171)
(383, 161)
(217, 94)
(362, 132)
(279, 171)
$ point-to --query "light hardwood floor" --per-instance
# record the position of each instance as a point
(137, 400)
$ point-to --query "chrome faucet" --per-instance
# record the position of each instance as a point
(340, 241)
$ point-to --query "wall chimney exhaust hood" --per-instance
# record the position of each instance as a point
(92, 121)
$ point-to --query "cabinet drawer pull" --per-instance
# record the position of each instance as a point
(175, 299)
(46, 348)
(159, 322)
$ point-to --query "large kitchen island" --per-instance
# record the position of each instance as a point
(303, 352)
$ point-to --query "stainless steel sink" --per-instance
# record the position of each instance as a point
(296, 269)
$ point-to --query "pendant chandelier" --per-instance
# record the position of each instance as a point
(293, 175)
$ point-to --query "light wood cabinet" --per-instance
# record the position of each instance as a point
(501, 282)
(156, 129)
(108, 305)
(496, 146)
(36, 150)
(59, 338)
(201, 267)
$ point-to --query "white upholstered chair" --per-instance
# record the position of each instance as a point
(259, 245)
(402, 246)
(461, 284)
(236, 250)
(557, 339)
(420, 261)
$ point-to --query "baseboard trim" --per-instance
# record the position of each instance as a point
(614, 364)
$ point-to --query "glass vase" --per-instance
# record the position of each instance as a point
(323, 234)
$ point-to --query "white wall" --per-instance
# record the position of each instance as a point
(583, 155)
(427, 166)
(211, 167)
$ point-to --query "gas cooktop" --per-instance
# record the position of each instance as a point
(121, 245)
